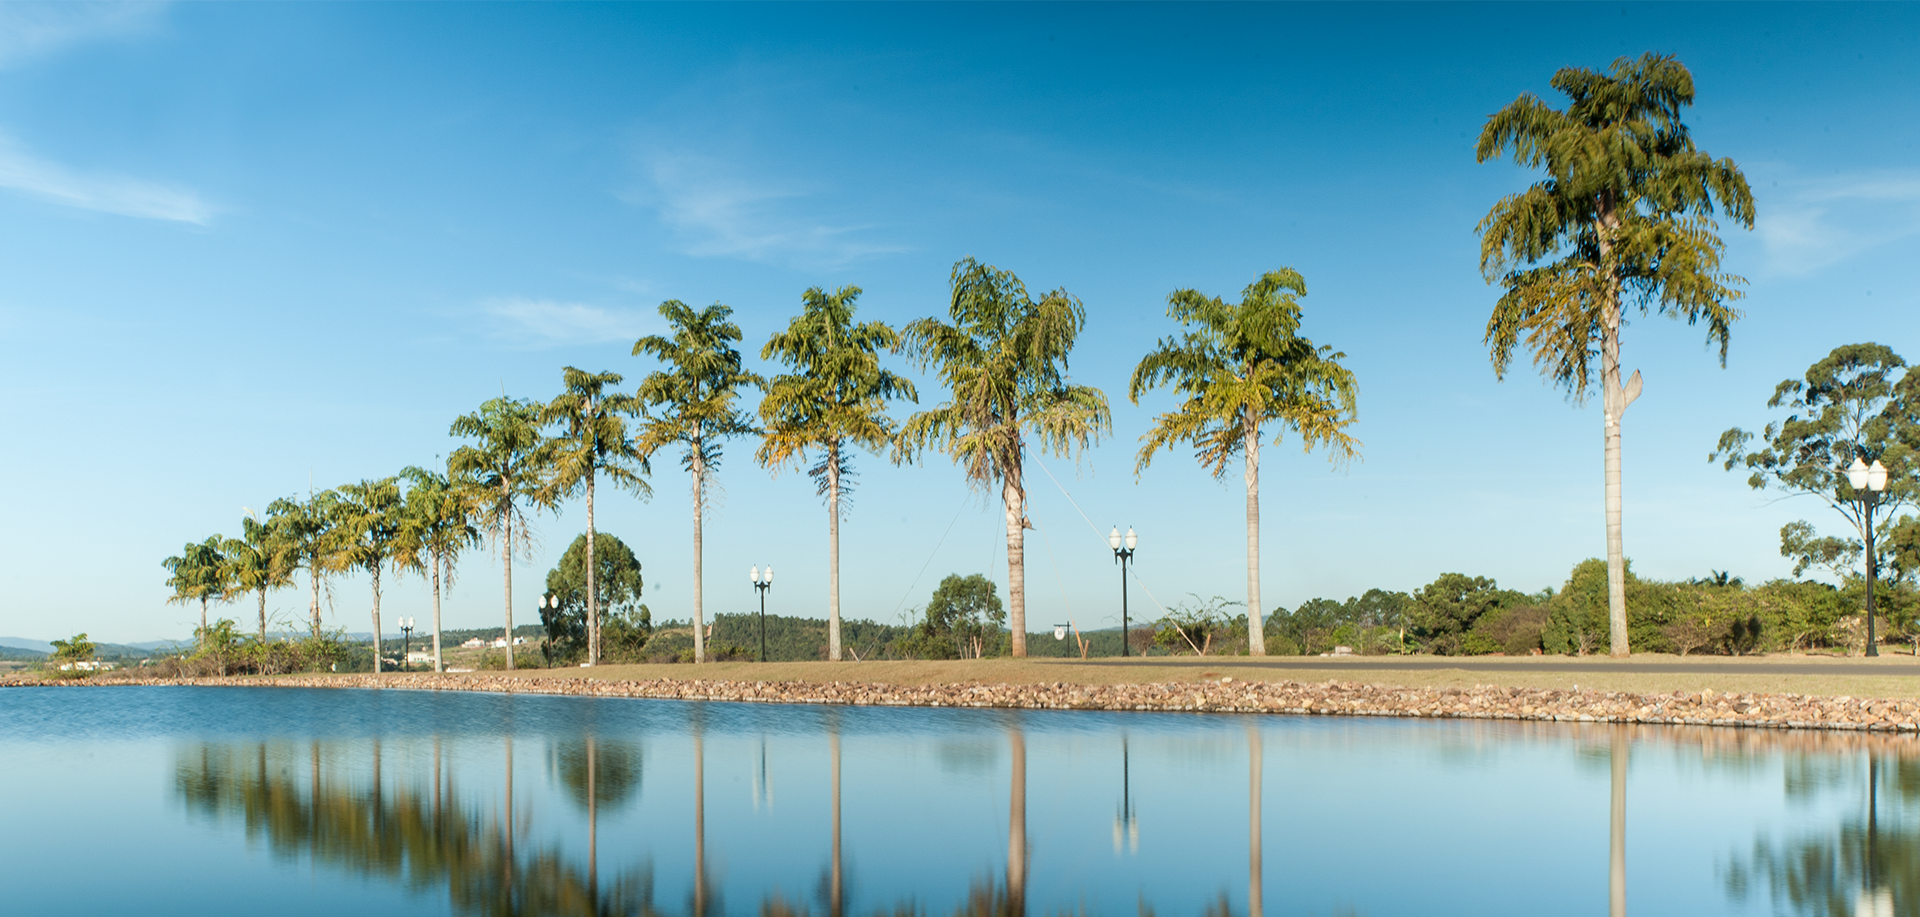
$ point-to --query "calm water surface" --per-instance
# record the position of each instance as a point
(285, 801)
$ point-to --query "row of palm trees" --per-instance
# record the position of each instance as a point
(1241, 369)
(1624, 217)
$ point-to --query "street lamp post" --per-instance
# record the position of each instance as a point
(406, 641)
(1868, 481)
(1121, 555)
(761, 586)
(549, 620)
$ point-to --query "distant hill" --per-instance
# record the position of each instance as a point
(22, 643)
(15, 654)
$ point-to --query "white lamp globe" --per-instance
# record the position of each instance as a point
(1113, 538)
(1132, 539)
(753, 573)
(769, 574)
(1877, 476)
(1857, 474)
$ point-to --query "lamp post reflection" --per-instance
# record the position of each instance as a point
(1126, 825)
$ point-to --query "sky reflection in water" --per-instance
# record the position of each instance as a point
(184, 800)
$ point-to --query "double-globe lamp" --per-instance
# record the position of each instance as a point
(1122, 552)
(1868, 482)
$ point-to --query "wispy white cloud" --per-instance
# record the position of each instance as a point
(29, 30)
(721, 213)
(28, 174)
(547, 323)
(1808, 224)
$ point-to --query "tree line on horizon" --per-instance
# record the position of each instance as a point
(1624, 217)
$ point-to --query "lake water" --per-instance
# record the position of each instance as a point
(290, 802)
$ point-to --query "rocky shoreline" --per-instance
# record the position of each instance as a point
(1226, 695)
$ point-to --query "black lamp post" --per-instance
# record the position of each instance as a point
(549, 621)
(1121, 555)
(406, 641)
(761, 586)
(1868, 481)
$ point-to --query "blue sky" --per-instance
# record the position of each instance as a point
(250, 246)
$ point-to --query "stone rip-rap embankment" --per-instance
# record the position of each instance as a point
(1706, 708)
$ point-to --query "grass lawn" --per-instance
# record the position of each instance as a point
(1887, 676)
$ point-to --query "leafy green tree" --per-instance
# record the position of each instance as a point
(76, 649)
(308, 531)
(1859, 402)
(368, 518)
(1004, 362)
(1625, 216)
(616, 586)
(593, 444)
(836, 397)
(1445, 610)
(257, 562)
(1240, 368)
(435, 528)
(197, 574)
(693, 403)
(507, 467)
(963, 620)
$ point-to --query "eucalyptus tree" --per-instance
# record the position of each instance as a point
(1860, 402)
(593, 442)
(368, 517)
(256, 563)
(311, 539)
(693, 403)
(1240, 368)
(1624, 217)
(435, 527)
(503, 470)
(836, 397)
(1004, 362)
(197, 574)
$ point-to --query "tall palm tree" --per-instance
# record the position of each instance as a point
(434, 529)
(835, 398)
(368, 516)
(593, 443)
(692, 403)
(308, 530)
(1238, 368)
(257, 562)
(506, 468)
(197, 574)
(1625, 214)
(1004, 361)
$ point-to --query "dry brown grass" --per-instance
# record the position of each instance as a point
(1887, 677)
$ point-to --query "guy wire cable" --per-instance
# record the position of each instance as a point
(931, 556)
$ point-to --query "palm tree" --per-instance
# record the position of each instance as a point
(308, 531)
(1626, 212)
(256, 562)
(836, 397)
(692, 403)
(198, 573)
(507, 467)
(434, 529)
(368, 517)
(1238, 368)
(594, 443)
(1004, 360)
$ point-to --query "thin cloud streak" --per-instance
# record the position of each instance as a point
(29, 30)
(1813, 224)
(721, 214)
(50, 181)
(538, 323)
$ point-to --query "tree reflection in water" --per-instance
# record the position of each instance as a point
(1866, 867)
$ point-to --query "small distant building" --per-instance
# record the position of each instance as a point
(90, 665)
(474, 643)
(420, 657)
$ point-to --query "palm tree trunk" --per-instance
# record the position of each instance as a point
(1613, 402)
(833, 552)
(438, 664)
(699, 510)
(1015, 498)
(313, 600)
(506, 558)
(263, 614)
(1256, 626)
(201, 637)
(375, 570)
(593, 595)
